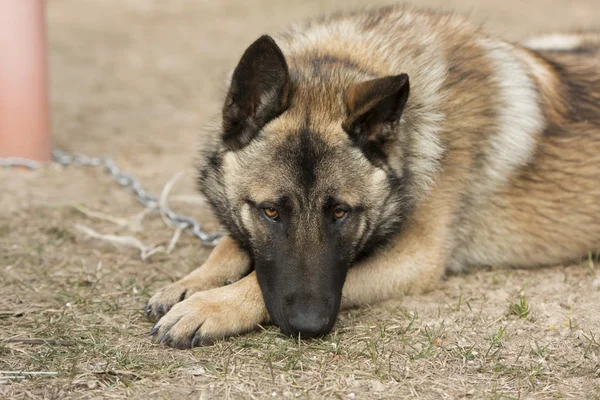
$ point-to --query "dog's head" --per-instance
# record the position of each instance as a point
(308, 175)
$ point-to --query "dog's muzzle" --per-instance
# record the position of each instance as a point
(307, 316)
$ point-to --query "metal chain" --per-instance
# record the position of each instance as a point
(127, 181)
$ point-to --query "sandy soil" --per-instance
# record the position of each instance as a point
(137, 79)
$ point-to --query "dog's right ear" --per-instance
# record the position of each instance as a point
(374, 109)
(259, 92)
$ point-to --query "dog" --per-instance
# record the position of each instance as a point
(364, 155)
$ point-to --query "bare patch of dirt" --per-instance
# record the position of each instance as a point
(137, 79)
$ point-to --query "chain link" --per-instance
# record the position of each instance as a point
(127, 181)
(19, 162)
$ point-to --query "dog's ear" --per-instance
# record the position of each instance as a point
(374, 109)
(259, 92)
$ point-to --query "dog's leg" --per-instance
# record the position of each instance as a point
(393, 273)
(213, 314)
(226, 264)
(414, 263)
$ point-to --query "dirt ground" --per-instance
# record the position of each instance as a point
(137, 79)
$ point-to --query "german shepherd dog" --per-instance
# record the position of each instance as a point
(364, 155)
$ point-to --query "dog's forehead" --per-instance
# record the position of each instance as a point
(304, 164)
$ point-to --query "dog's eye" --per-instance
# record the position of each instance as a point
(339, 213)
(270, 212)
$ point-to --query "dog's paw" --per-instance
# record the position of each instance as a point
(213, 314)
(164, 300)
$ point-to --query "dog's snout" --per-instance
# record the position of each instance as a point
(308, 316)
(308, 324)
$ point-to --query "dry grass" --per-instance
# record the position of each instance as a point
(82, 301)
(136, 79)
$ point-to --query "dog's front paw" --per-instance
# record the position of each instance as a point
(226, 264)
(213, 314)
(163, 301)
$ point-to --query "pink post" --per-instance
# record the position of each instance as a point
(24, 116)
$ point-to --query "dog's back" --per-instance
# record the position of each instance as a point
(550, 210)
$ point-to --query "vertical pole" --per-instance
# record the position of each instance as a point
(24, 114)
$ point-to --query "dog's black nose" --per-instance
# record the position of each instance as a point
(308, 325)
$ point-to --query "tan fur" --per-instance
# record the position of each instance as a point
(549, 211)
(504, 147)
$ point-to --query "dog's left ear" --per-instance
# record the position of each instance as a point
(259, 92)
(374, 109)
